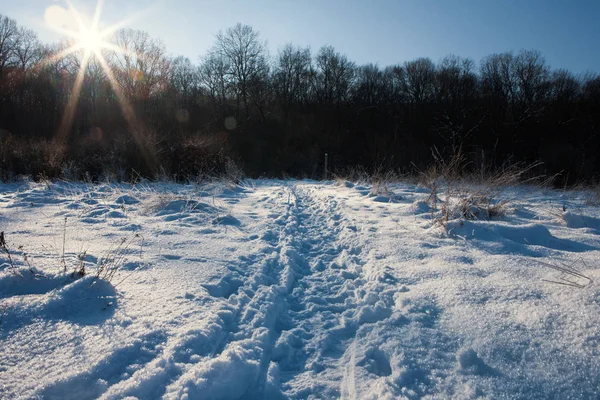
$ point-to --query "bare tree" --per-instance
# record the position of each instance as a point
(28, 49)
(184, 76)
(531, 76)
(498, 77)
(246, 58)
(334, 76)
(394, 81)
(292, 76)
(420, 80)
(372, 86)
(142, 65)
(456, 80)
(9, 35)
(213, 75)
(456, 94)
(565, 87)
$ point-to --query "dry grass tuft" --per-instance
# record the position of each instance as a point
(456, 194)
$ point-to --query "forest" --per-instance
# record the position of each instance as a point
(139, 112)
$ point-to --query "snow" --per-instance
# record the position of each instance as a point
(294, 289)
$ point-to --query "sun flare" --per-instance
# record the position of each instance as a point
(86, 39)
(85, 35)
(90, 40)
(92, 43)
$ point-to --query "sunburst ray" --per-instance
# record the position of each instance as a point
(92, 41)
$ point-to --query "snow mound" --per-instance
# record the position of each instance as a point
(83, 299)
(580, 221)
(225, 287)
(86, 301)
(186, 206)
(190, 212)
(25, 282)
(526, 234)
(126, 199)
(226, 220)
(420, 207)
(387, 198)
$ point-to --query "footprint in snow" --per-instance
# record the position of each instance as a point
(376, 362)
(470, 363)
(224, 288)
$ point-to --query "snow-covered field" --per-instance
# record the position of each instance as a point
(294, 289)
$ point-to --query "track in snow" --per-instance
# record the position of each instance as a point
(294, 315)
(297, 311)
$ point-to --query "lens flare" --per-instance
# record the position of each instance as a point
(87, 40)
(91, 42)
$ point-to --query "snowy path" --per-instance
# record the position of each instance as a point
(296, 315)
(296, 290)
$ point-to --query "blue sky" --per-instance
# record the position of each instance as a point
(379, 31)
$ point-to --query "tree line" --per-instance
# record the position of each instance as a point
(277, 115)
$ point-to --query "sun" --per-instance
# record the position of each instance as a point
(90, 40)
(86, 39)
(85, 35)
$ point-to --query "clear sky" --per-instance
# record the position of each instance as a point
(379, 31)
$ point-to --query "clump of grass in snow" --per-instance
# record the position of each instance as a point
(472, 206)
(569, 275)
(106, 268)
(465, 196)
(114, 259)
(6, 250)
(12, 264)
(379, 181)
(592, 195)
(357, 175)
